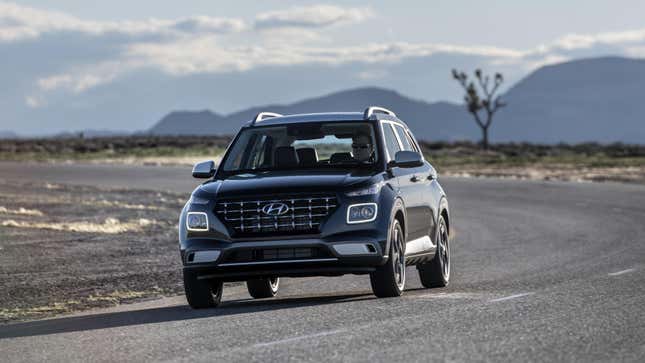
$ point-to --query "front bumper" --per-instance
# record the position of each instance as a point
(297, 257)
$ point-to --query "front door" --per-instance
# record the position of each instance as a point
(411, 185)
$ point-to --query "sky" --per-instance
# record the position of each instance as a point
(122, 65)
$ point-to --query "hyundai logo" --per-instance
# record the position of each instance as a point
(275, 209)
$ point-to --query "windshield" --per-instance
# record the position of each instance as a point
(303, 146)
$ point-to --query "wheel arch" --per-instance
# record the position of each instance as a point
(444, 211)
(398, 213)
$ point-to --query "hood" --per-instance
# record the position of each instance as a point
(288, 182)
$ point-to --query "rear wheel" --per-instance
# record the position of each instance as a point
(202, 293)
(389, 280)
(263, 288)
(436, 273)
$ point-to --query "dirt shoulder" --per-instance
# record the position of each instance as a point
(563, 172)
(65, 248)
(577, 163)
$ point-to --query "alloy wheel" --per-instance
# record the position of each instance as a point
(398, 256)
(444, 250)
(274, 283)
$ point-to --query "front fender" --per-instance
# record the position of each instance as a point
(444, 207)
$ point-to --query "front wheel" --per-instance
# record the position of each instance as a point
(436, 273)
(202, 293)
(389, 280)
(263, 288)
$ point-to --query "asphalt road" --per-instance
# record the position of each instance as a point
(542, 271)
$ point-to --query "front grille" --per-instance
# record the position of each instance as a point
(245, 217)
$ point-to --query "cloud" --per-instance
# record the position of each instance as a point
(33, 102)
(545, 61)
(372, 74)
(637, 52)
(83, 79)
(205, 24)
(206, 55)
(83, 55)
(19, 23)
(209, 53)
(574, 42)
(317, 16)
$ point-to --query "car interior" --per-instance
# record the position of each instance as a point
(305, 145)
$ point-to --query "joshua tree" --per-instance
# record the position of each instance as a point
(488, 101)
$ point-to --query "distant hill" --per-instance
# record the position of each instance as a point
(435, 121)
(8, 135)
(596, 99)
(189, 123)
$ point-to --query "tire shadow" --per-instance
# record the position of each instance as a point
(168, 314)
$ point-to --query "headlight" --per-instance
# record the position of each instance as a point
(197, 221)
(361, 213)
(371, 190)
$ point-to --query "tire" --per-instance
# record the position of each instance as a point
(263, 288)
(202, 294)
(389, 280)
(436, 272)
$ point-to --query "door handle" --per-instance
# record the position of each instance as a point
(431, 177)
(414, 179)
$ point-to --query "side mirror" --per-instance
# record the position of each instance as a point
(204, 170)
(407, 159)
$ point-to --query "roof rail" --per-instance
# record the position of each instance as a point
(264, 115)
(374, 109)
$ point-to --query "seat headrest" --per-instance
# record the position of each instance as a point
(286, 157)
(340, 157)
(307, 156)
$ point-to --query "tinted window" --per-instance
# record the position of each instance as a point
(407, 145)
(303, 146)
(390, 140)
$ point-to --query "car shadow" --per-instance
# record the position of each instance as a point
(167, 314)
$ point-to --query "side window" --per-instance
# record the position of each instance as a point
(253, 155)
(258, 153)
(390, 140)
(413, 142)
(407, 145)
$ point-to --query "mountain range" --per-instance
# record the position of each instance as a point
(415, 112)
(8, 134)
(596, 99)
(599, 99)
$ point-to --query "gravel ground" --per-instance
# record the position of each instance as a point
(569, 173)
(69, 248)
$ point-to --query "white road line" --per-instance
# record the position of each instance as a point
(445, 295)
(621, 272)
(511, 297)
(289, 340)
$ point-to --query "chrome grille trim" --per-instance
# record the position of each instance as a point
(305, 214)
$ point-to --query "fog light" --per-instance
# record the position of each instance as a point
(361, 213)
(203, 256)
(348, 249)
(197, 221)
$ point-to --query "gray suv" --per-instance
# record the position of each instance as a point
(315, 194)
